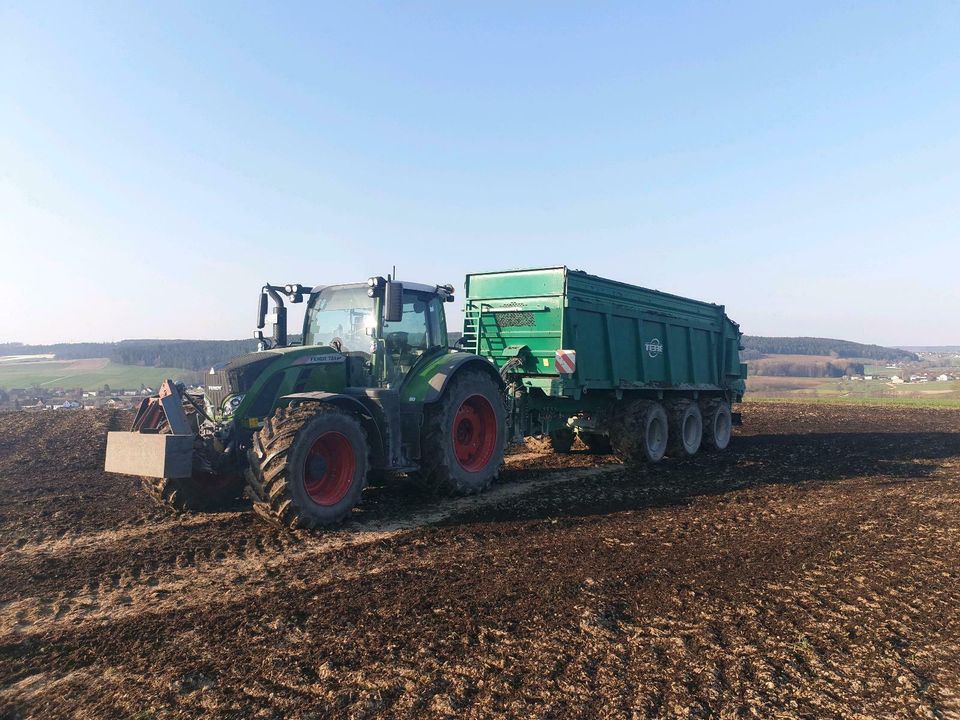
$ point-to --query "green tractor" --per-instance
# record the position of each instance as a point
(372, 389)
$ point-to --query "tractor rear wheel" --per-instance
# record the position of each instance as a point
(308, 465)
(464, 435)
(686, 428)
(204, 491)
(717, 424)
(641, 432)
(561, 440)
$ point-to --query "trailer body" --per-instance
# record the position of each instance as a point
(578, 342)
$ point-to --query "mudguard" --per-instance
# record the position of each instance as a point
(370, 419)
(426, 383)
(347, 402)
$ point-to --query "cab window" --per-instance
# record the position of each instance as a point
(418, 331)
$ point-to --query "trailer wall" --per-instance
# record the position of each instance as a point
(623, 337)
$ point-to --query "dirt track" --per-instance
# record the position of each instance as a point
(810, 571)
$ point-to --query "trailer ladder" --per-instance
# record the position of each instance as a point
(472, 326)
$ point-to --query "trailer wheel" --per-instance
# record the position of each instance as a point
(686, 428)
(717, 424)
(204, 491)
(308, 465)
(561, 440)
(464, 435)
(597, 443)
(641, 432)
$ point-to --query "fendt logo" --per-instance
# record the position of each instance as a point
(654, 347)
(319, 359)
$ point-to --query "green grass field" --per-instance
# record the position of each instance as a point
(831, 390)
(90, 374)
(920, 402)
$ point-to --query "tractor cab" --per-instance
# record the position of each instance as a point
(383, 327)
(414, 328)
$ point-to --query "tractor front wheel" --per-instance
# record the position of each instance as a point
(204, 491)
(308, 465)
(464, 435)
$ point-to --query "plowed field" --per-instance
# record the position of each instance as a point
(812, 570)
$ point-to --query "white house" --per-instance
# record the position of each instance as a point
(943, 378)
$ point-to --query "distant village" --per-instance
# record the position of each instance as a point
(912, 378)
(35, 399)
(904, 373)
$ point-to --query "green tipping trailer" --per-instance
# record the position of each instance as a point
(612, 362)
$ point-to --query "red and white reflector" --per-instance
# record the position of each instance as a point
(565, 361)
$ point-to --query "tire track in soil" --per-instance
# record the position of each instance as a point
(235, 564)
(736, 597)
(73, 542)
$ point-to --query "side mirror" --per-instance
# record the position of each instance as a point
(393, 302)
(262, 311)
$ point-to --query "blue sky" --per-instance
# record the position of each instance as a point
(799, 163)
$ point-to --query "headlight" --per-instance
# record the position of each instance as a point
(231, 405)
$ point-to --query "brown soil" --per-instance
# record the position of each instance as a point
(809, 571)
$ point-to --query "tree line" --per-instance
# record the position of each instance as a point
(201, 354)
(186, 354)
(824, 346)
(808, 369)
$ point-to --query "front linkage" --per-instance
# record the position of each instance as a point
(178, 452)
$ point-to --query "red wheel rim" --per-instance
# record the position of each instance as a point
(474, 433)
(329, 468)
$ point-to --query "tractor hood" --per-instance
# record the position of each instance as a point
(248, 386)
(236, 377)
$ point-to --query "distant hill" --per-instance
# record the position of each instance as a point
(201, 354)
(186, 354)
(824, 347)
(932, 348)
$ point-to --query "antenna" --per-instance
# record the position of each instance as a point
(394, 272)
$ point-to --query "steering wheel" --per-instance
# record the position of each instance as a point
(397, 340)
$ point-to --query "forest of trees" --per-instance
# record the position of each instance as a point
(186, 354)
(201, 354)
(810, 369)
(823, 346)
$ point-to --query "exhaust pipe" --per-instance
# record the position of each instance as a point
(279, 315)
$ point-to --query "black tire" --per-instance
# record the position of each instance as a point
(469, 414)
(561, 440)
(596, 443)
(204, 491)
(641, 432)
(717, 424)
(686, 428)
(308, 465)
